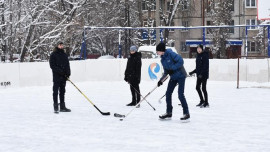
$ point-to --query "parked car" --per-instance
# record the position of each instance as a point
(106, 57)
(149, 52)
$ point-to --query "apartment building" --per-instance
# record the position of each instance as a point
(196, 13)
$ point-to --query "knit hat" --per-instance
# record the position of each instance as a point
(161, 47)
(58, 43)
(200, 46)
(133, 48)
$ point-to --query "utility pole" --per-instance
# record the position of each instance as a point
(127, 33)
(149, 20)
(157, 21)
(203, 13)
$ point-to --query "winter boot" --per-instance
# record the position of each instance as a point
(131, 104)
(166, 116)
(185, 118)
(205, 105)
(63, 108)
(56, 107)
(200, 104)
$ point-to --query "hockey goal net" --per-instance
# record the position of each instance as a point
(253, 72)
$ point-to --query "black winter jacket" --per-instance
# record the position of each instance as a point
(202, 65)
(133, 69)
(60, 65)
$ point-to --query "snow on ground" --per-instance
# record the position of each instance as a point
(238, 120)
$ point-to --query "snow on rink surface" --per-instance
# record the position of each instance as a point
(238, 120)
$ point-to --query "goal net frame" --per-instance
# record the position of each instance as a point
(251, 57)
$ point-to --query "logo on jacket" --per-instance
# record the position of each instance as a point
(153, 69)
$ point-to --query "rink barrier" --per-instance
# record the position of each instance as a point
(40, 74)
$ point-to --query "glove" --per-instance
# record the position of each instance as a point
(66, 77)
(159, 83)
(126, 79)
(200, 76)
(170, 72)
(190, 73)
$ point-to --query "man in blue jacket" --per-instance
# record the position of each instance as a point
(173, 65)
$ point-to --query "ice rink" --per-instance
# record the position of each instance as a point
(238, 120)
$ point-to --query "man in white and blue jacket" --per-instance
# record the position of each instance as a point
(173, 65)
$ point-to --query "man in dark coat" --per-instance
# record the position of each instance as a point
(173, 64)
(61, 71)
(133, 74)
(202, 72)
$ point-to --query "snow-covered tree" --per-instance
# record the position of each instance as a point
(221, 14)
(260, 38)
(31, 28)
(168, 11)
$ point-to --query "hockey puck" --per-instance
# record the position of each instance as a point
(121, 119)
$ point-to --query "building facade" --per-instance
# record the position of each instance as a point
(240, 41)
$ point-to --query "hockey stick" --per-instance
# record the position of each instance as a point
(142, 96)
(103, 113)
(161, 98)
(160, 101)
(124, 116)
(175, 86)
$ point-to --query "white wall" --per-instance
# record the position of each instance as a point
(39, 73)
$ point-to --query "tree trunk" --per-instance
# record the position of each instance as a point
(27, 42)
(3, 31)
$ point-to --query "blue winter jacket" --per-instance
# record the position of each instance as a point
(172, 61)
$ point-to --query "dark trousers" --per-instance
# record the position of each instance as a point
(181, 96)
(136, 97)
(61, 87)
(202, 82)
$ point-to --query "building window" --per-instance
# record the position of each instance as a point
(185, 4)
(185, 24)
(169, 5)
(251, 46)
(232, 6)
(250, 3)
(145, 23)
(153, 5)
(208, 30)
(161, 5)
(183, 47)
(147, 4)
(251, 22)
(144, 6)
(208, 6)
(231, 29)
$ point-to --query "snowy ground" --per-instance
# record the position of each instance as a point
(238, 120)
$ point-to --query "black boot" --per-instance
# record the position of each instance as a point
(185, 118)
(132, 104)
(56, 107)
(166, 116)
(205, 105)
(200, 104)
(63, 108)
